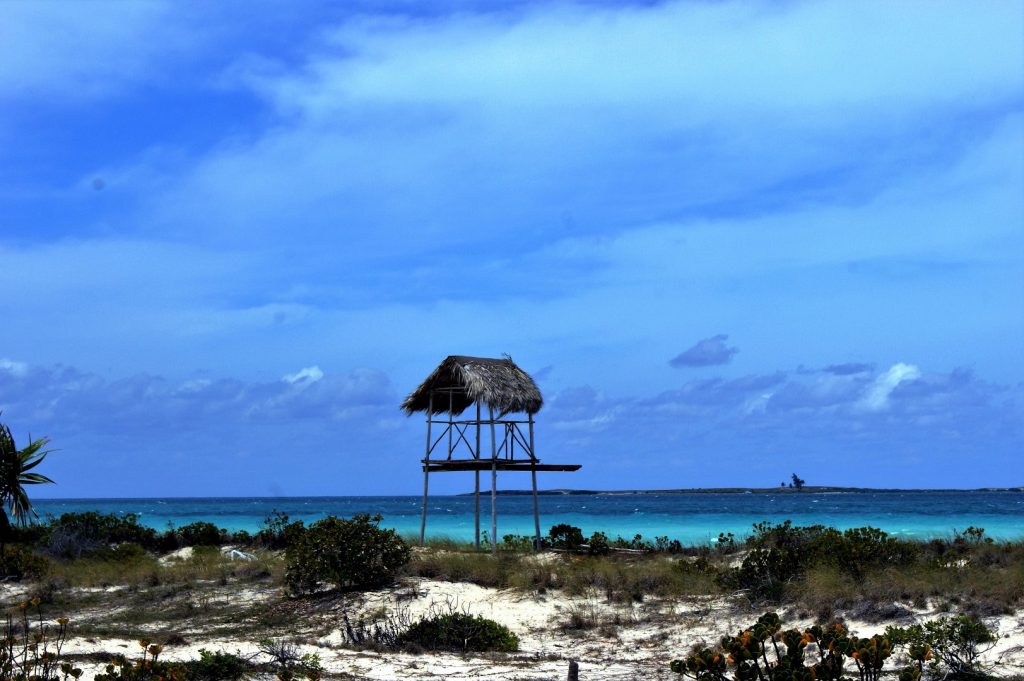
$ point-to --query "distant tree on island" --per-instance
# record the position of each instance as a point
(797, 482)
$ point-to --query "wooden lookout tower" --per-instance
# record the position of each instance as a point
(460, 444)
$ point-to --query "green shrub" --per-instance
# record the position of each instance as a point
(20, 562)
(288, 663)
(516, 543)
(217, 666)
(598, 544)
(568, 537)
(957, 644)
(664, 545)
(278, 532)
(241, 537)
(459, 632)
(780, 554)
(764, 573)
(74, 535)
(348, 554)
(129, 552)
(32, 533)
(637, 543)
(765, 651)
(972, 536)
(201, 534)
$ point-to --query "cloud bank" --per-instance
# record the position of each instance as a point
(224, 435)
(708, 352)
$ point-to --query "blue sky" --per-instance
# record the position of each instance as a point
(731, 240)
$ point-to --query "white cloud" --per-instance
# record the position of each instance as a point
(680, 61)
(876, 397)
(18, 369)
(707, 352)
(510, 122)
(82, 50)
(308, 375)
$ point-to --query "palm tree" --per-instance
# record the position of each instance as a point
(15, 465)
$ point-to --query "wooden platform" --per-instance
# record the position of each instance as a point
(485, 465)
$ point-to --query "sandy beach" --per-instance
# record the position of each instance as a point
(609, 640)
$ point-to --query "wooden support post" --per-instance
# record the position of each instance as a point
(533, 474)
(426, 470)
(423, 520)
(494, 483)
(574, 671)
(476, 487)
(450, 416)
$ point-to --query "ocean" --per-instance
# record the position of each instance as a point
(692, 518)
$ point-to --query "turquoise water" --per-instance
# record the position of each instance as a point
(690, 518)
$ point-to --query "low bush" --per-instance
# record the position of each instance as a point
(348, 554)
(20, 562)
(444, 626)
(459, 632)
(201, 534)
(129, 552)
(952, 645)
(288, 663)
(765, 651)
(278, 532)
(241, 538)
(567, 537)
(217, 666)
(74, 535)
(598, 544)
(516, 543)
(781, 554)
(146, 668)
(570, 538)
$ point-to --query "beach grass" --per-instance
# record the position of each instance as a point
(198, 593)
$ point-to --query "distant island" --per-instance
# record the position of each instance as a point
(743, 490)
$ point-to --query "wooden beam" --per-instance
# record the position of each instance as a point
(500, 465)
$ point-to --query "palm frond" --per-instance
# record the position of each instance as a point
(15, 465)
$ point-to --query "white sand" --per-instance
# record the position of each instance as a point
(638, 642)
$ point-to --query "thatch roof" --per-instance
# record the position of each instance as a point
(497, 383)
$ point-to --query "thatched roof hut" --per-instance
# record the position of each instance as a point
(498, 383)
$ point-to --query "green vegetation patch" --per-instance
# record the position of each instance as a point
(460, 632)
(347, 554)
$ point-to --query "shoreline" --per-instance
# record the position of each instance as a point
(807, 489)
(751, 490)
